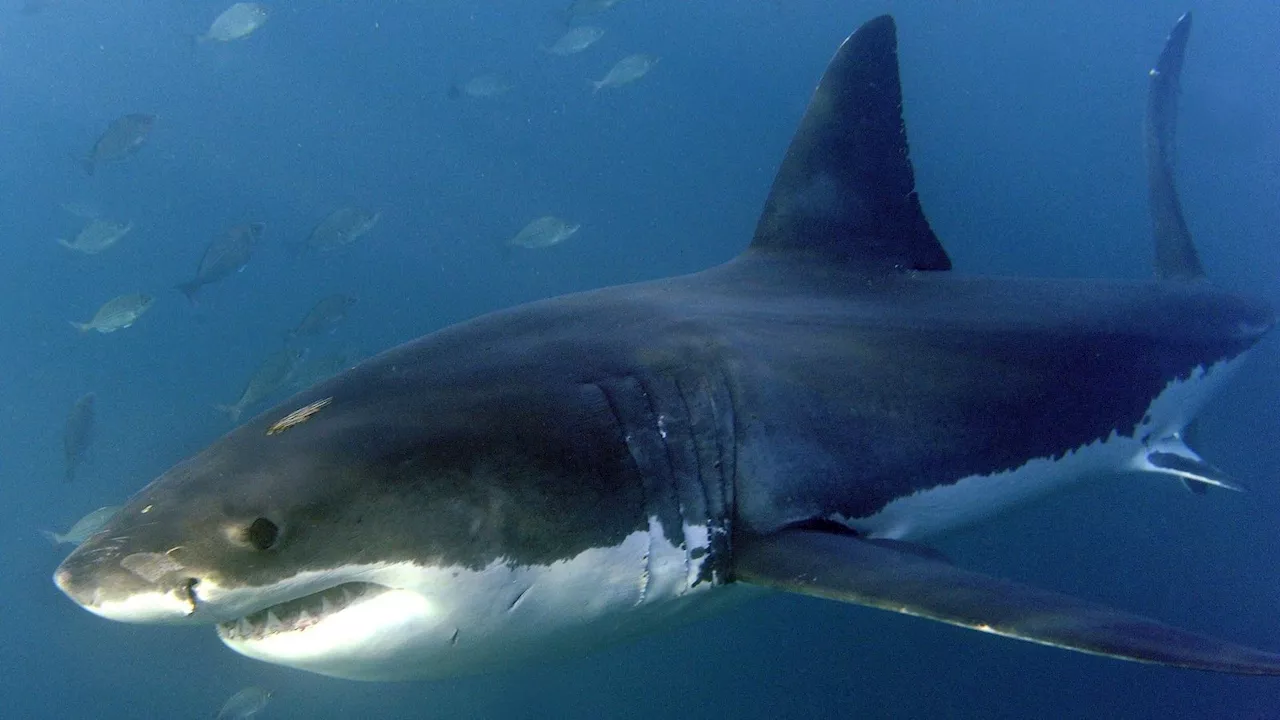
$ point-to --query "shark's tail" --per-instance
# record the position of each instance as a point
(1176, 257)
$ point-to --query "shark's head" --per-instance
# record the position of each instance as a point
(410, 518)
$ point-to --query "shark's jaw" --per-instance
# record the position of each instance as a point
(298, 615)
(356, 630)
(410, 619)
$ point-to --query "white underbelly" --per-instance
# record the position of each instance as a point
(973, 498)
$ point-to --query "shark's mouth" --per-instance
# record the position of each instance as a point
(299, 614)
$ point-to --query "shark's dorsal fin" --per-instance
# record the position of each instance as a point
(846, 189)
(1176, 257)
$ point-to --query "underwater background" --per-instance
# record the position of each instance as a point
(1025, 128)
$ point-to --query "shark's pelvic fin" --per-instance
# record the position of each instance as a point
(844, 568)
(1176, 257)
(1170, 456)
(846, 189)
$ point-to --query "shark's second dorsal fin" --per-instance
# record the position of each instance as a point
(1176, 257)
(846, 189)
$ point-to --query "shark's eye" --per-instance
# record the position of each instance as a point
(262, 534)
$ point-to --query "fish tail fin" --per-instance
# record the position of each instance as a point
(82, 327)
(64, 243)
(596, 85)
(233, 411)
(88, 165)
(54, 537)
(454, 92)
(189, 289)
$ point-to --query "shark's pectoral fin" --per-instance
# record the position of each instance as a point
(850, 570)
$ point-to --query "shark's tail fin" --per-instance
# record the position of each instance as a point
(1176, 257)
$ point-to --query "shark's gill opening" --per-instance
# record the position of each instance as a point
(299, 614)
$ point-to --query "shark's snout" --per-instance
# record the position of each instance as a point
(139, 588)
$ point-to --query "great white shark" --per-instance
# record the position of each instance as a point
(550, 478)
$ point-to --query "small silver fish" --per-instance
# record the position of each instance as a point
(340, 228)
(481, 86)
(576, 40)
(117, 313)
(628, 70)
(323, 316)
(543, 233)
(244, 704)
(312, 371)
(225, 255)
(236, 22)
(84, 527)
(276, 370)
(122, 138)
(96, 236)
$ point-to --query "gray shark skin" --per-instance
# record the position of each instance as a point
(558, 476)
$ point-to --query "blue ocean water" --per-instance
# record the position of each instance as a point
(1025, 129)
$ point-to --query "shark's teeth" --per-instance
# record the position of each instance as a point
(297, 615)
